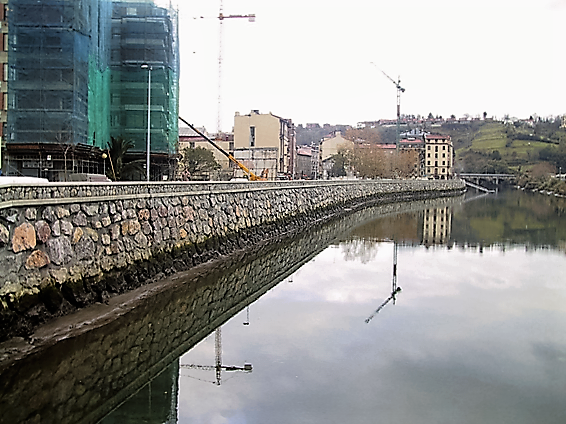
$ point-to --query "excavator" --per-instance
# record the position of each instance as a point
(251, 176)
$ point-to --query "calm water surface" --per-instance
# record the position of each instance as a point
(477, 334)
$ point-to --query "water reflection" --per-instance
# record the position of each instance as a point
(472, 337)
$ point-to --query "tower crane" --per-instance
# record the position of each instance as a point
(221, 17)
(218, 367)
(399, 91)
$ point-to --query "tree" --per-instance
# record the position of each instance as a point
(338, 165)
(197, 162)
(120, 168)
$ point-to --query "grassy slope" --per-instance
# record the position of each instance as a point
(486, 137)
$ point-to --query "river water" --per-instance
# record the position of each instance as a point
(476, 333)
(450, 312)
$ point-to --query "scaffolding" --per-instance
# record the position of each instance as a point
(56, 71)
(145, 34)
(75, 76)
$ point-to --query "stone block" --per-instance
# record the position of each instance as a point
(38, 259)
(60, 250)
(24, 238)
(43, 231)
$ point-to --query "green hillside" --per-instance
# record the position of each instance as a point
(489, 146)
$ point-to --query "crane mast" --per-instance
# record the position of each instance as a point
(221, 18)
(399, 91)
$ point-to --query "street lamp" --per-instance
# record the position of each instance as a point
(146, 66)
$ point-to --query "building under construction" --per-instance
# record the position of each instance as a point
(75, 79)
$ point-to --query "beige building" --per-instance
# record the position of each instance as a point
(329, 146)
(189, 138)
(439, 153)
(265, 143)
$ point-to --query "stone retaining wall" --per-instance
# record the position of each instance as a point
(64, 246)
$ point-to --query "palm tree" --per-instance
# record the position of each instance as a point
(120, 170)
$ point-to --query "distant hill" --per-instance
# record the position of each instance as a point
(490, 146)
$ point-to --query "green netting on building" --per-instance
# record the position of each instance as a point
(48, 71)
(144, 34)
(99, 76)
(75, 73)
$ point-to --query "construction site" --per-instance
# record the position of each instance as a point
(81, 72)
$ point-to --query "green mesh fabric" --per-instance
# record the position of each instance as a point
(75, 73)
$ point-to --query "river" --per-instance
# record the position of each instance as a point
(450, 311)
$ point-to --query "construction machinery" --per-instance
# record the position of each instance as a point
(251, 176)
(399, 91)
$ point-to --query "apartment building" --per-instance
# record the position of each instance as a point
(439, 156)
(265, 143)
(75, 80)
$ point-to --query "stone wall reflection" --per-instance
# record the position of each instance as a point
(81, 379)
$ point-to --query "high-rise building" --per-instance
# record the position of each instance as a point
(69, 64)
(144, 41)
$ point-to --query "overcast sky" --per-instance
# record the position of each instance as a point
(311, 60)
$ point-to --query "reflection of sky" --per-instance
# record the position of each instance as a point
(473, 338)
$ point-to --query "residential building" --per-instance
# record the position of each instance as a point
(188, 138)
(75, 81)
(265, 144)
(308, 163)
(144, 41)
(414, 146)
(439, 156)
(330, 145)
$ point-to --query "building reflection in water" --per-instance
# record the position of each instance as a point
(155, 403)
(437, 226)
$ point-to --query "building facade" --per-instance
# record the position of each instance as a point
(265, 143)
(67, 77)
(439, 156)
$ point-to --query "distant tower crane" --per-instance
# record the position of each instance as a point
(221, 18)
(399, 91)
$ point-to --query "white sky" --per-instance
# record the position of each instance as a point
(310, 60)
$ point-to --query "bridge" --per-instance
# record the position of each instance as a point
(474, 179)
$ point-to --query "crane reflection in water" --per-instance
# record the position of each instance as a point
(394, 288)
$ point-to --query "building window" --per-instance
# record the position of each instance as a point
(5, 72)
(5, 41)
(252, 136)
(428, 162)
(428, 154)
(443, 147)
(436, 148)
(443, 163)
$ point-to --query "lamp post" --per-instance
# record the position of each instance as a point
(146, 66)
